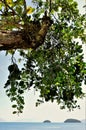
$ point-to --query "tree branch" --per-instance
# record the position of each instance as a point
(12, 40)
(18, 39)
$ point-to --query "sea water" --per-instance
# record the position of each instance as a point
(41, 126)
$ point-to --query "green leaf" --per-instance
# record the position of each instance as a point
(14, 112)
(14, 106)
(20, 91)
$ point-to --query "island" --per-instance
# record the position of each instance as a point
(47, 121)
(72, 121)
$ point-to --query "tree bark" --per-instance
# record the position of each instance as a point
(17, 39)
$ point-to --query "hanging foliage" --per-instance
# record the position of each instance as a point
(49, 38)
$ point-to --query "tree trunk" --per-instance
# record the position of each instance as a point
(19, 39)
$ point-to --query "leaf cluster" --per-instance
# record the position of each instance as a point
(14, 14)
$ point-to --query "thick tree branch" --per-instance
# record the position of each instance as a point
(12, 40)
(21, 40)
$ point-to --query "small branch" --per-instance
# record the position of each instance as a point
(25, 7)
(7, 7)
(24, 16)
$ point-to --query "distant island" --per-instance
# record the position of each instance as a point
(72, 121)
(47, 121)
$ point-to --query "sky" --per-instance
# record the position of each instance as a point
(49, 111)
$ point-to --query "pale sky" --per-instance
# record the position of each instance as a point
(50, 111)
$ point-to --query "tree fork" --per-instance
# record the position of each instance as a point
(17, 40)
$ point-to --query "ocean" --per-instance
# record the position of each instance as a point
(41, 126)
